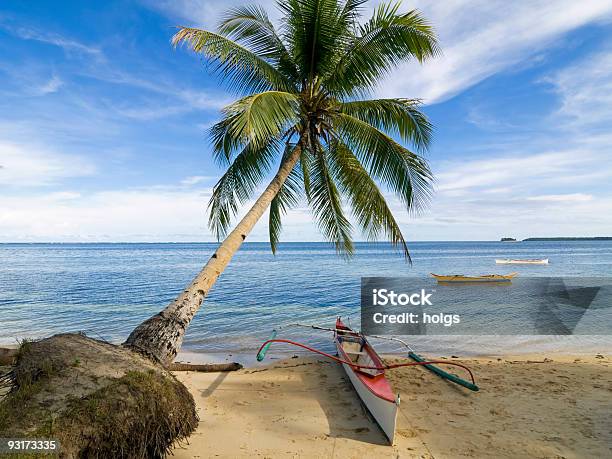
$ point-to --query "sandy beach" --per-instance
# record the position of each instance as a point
(529, 406)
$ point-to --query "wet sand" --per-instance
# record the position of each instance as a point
(529, 406)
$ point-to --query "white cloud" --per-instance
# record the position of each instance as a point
(203, 100)
(50, 86)
(148, 112)
(179, 214)
(148, 214)
(585, 89)
(481, 218)
(479, 37)
(62, 196)
(571, 197)
(175, 99)
(33, 165)
(193, 180)
(131, 215)
(188, 101)
(204, 13)
(172, 97)
(55, 39)
(524, 171)
(509, 195)
(482, 37)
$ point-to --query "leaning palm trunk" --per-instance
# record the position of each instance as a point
(302, 84)
(161, 336)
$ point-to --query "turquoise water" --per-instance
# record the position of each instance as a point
(107, 289)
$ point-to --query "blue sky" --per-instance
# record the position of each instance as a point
(103, 124)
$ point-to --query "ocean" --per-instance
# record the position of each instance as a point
(105, 290)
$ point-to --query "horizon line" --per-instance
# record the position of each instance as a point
(300, 242)
(245, 242)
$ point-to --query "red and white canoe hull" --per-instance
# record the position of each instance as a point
(383, 411)
(372, 386)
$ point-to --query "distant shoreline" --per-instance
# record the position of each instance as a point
(25, 243)
(597, 238)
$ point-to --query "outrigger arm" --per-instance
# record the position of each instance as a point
(262, 353)
(434, 369)
(411, 354)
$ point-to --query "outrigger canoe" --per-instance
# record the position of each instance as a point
(371, 385)
(508, 261)
(486, 278)
(366, 369)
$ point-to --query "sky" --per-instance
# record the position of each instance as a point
(103, 124)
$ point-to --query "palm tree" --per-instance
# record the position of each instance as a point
(301, 105)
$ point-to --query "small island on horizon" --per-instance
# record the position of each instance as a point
(562, 238)
(596, 238)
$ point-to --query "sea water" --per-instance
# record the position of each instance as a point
(105, 290)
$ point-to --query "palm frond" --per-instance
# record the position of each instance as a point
(404, 172)
(316, 29)
(224, 143)
(287, 198)
(251, 25)
(369, 206)
(243, 69)
(394, 116)
(306, 165)
(386, 40)
(237, 185)
(258, 118)
(327, 206)
(351, 11)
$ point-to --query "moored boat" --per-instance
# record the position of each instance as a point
(511, 261)
(371, 385)
(484, 278)
(366, 369)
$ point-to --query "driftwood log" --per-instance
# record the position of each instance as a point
(7, 357)
(207, 368)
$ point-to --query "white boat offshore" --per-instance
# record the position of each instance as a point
(534, 261)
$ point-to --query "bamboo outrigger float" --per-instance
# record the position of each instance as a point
(485, 278)
(366, 370)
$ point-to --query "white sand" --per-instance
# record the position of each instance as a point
(307, 408)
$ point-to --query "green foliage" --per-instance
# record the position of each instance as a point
(96, 399)
(240, 67)
(238, 184)
(26, 379)
(327, 207)
(302, 87)
(404, 172)
(369, 205)
(400, 117)
(286, 198)
(156, 406)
